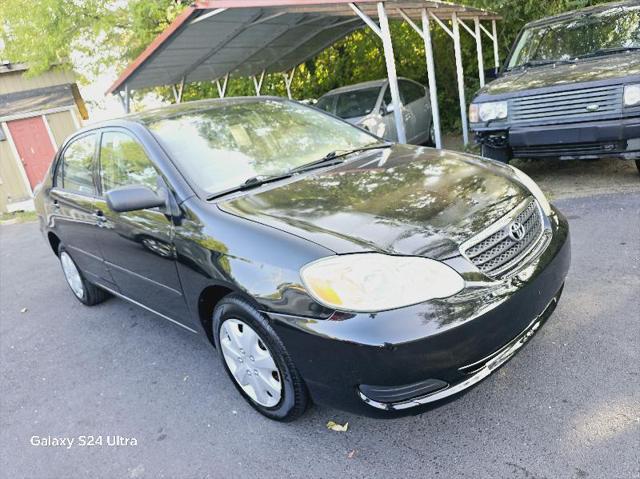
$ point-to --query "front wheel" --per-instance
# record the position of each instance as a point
(503, 155)
(87, 293)
(256, 360)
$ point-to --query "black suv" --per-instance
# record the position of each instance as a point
(570, 89)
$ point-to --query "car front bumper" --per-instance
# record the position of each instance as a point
(618, 138)
(406, 360)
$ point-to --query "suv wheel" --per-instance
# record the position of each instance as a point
(87, 293)
(503, 155)
(638, 165)
(256, 360)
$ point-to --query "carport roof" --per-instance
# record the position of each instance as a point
(246, 37)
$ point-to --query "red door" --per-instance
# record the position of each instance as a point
(34, 146)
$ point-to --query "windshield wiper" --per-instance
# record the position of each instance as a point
(539, 63)
(252, 182)
(330, 158)
(337, 156)
(608, 51)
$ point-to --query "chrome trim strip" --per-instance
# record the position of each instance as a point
(126, 298)
(492, 365)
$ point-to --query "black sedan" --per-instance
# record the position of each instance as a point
(322, 262)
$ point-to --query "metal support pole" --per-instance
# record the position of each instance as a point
(222, 87)
(431, 77)
(127, 99)
(288, 80)
(391, 72)
(177, 92)
(496, 54)
(476, 21)
(460, 75)
(258, 83)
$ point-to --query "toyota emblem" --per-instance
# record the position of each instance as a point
(517, 231)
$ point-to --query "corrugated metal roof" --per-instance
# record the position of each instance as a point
(245, 37)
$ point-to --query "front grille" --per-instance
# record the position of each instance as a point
(570, 149)
(567, 106)
(497, 252)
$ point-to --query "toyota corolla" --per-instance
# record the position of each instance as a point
(323, 263)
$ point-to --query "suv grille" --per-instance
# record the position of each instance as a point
(568, 105)
(499, 252)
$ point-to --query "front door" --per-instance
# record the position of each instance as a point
(138, 245)
(34, 146)
(74, 207)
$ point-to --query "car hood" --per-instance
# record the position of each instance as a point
(400, 200)
(603, 68)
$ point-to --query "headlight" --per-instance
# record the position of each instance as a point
(493, 110)
(534, 189)
(372, 282)
(632, 95)
(473, 113)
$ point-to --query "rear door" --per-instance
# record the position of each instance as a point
(138, 245)
(414, 99)
(74, 214)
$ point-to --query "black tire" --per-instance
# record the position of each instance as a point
(294, 399)
(432, 135)
(91, 294)
(503, 155)
(638, 165)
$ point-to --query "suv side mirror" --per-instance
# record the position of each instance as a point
(133, 198)
(491, 74)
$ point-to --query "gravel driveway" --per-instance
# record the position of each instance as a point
(567, 406)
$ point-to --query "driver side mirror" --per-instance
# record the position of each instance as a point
(386, 109)
(133, 198)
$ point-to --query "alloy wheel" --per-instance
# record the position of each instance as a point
(250, 362)
(71, 274)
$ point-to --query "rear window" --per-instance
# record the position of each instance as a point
(75, 173)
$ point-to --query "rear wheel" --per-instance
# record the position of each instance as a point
(638, 165)
(503, 155)
(256, 360)
(87, 293)
(432, 135)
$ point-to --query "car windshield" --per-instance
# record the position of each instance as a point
(350, 104)
(591, 34)
(223, 146)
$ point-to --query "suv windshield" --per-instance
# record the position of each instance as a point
(350, 104)
(222, 146)
(587, 35)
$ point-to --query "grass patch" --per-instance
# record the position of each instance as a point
(19, 216)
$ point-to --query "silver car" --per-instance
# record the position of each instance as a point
(368, 105)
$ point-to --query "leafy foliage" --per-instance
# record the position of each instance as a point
(114, 32)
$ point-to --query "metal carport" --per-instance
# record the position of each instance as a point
(215, 39)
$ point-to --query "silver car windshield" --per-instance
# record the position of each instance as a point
(350, 104)
(611, 31)
(222, 147)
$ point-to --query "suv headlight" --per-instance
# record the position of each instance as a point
(372, 282)
(489, 111)
(535, 190)
(631, 95)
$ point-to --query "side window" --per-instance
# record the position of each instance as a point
(411, 92)
(387, 95)
(123, 162)
(75, 173)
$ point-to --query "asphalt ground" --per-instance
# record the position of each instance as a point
(567, 406)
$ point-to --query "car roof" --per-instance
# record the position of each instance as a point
(365, 85)
(170, 111)
(583, 11)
